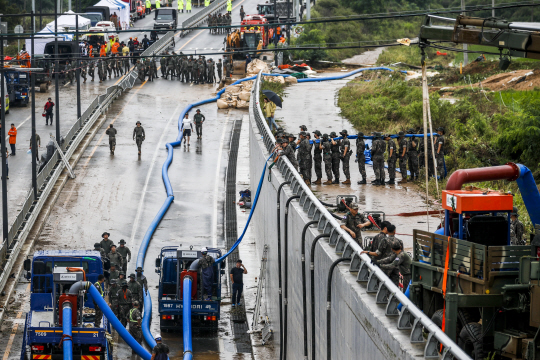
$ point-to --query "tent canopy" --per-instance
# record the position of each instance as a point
(42, 38)
(69, 22)
(120, 8)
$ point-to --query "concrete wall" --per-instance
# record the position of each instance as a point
(360, 329)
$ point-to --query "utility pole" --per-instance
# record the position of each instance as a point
(308, 9)
(465, 46)
(69, 5)
(33, 20)
(56, 74)
(33, 83)
(5, 224)
(493, 10)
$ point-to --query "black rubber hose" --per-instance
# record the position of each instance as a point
(286, 271)
(328, 308)
(336, 217)
(312, 269)
(304, 288)
(327, 204)
(279, 268)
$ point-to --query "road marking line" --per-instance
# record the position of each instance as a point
(154, 158)
(12, 337)
(218, 180)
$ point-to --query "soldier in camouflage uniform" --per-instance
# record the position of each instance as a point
(517, 229)
(399, 263)
(163, 63)
(361, 157)
(211, 71)
(326, 148)
(317, 157)
(97, 247)
(170, 67)
(377, 156)
(160, 348)
(353, 223)
(219, 65)
(345, 149)
(379, 248)
(106, 243)
(126, 254)
(99, 314)
(286, 151)
(413, 155)
(392, 158)
(126, 64)
(305, 157)
(115, 257)
(141, 279)
(135, 288)
(403, 146)
(195, 72)
(82, 65)
(335, 157)
(92, 69)
(113, 295)
(119, 65)
(139, 66)
(124, 303)
(102, 72)
(114, 273)
(206, 263)
(109, 65)
(149, 69)
(135, 320)
(439, 151)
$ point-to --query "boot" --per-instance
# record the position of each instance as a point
(328, 182)
(307, 182)
(347, 182)
(318, 182)
(391, 182)
(404, 179)
(335, 181)
(376, 182)
(363, 182)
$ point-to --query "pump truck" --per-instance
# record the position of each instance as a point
(54, 276)
(490, 300)
(173, 264)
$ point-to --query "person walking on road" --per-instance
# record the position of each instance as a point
(269, 112)
(38, 143)
(124, 303)
(361, 157)
(229, 6)
(219, 67)
(160, 351)
(345, 149)
(237, 280)
(111, 131)
(199, 120)
(187, 127)
(12, 138)
(48, 108)
(181, 6)
(139, 135)
(242, 12)
(106, 243)
(126, 254)
(188, 6)
(403, 145)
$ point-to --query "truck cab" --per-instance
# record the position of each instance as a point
(165, 19)
(51, 275)
(18, 84)
(173, 265)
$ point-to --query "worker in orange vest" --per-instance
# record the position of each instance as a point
(103, 51)
(91, 51)
(12, 138)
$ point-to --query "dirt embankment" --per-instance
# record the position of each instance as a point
(520, 80)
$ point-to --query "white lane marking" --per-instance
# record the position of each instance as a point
(216, 184)
(154, 157)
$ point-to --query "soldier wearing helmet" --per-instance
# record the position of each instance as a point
(206, 262)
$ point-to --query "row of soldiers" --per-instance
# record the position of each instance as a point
(332, 151)
(219, 20)
(113, 66)
(185, 69)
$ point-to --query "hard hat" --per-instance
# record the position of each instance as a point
(204, 250)
(158, 338)
(135, 303)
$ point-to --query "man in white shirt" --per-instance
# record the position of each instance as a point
(187, 127)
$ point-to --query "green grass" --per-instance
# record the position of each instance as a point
(411, 55)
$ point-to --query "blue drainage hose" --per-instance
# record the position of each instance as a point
(124, 334)
(170, 194)
(67, 343)
(186, 319)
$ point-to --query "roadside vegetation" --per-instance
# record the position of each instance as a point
(483, 128)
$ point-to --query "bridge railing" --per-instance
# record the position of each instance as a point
(410, 317)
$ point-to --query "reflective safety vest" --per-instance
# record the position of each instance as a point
(188, 4)
(148, 4)
(158, 4)
(180, 4)
(131, 316)
(100, 289)
(229, 5)
(206, 2)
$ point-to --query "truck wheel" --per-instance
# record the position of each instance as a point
(470, 340)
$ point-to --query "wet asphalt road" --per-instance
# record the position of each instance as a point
(122, 193)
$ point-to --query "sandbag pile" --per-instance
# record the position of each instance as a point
(257, 65)
(236, 96)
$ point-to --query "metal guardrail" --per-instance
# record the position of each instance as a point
(159, 45)
(410, 317)
(202, 16)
